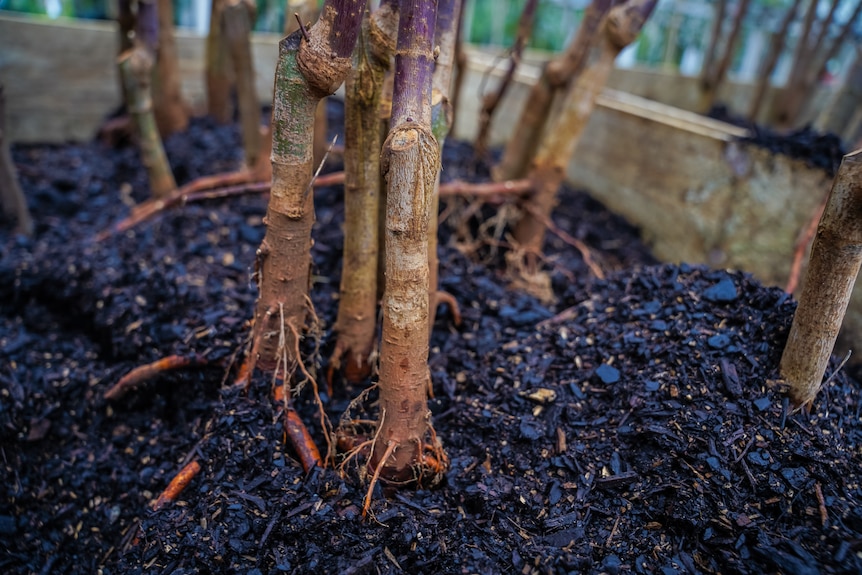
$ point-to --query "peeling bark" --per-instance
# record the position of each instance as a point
(357, 305)
(406, 449)
(237, 21)
(622, 26)
(836, 256)
(308, 70)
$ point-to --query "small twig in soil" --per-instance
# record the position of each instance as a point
(144, 373)
(390, 449)
(821, 504)
(177, 484)
(301, 441)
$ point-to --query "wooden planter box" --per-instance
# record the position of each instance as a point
(697, 194)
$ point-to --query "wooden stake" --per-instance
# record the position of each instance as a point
(834, 264)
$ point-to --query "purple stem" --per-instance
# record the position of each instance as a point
(147, 25)
(345, 29)
(414, 62)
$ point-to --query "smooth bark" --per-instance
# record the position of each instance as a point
(170, 110)
(308, 70)
(357, 305)
(836, 256)
(219, 77)
(709, 57)
(405, 449)
(237, 21)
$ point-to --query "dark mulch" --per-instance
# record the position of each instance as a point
(639, 434)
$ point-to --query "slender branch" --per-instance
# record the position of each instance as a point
(493, 99)
(556, 76)
(237, 21)
(775, 49)
(724, 64)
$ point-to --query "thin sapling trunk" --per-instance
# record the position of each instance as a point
(237, 21)
(448, 13)
(492, 99)
(706, 69)
(836, 256)
(218, 73)
(311, 66)
(621, 27)
(357, 305)
(406, 449)
(12, 200)
(556, 75)
(775, 49)
(718, 76)
(170, 110)
(136, 68)
(460, 66)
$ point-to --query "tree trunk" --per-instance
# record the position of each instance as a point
(136, 69)
(411, 160)
(357, 305)
(622, 26)
(460, 67)
(492, 99)
(556, 75)
(12, 200)
(836, 256)
(448, 15)
(237, 21)
(775, 49)
(706, 68)
(308, 70)
(708, 97)
(218, 73)
(170, 110)
(790, 100)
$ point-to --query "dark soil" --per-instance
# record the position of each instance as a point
(640, 432)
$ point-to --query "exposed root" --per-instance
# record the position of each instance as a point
(444, 297)
(390, 449)
(325, 424)
(528, 278)
(177, 484)
(302, 441)
(586, 254)
(144, 373)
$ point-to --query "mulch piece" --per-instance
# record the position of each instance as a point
(640, 432)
